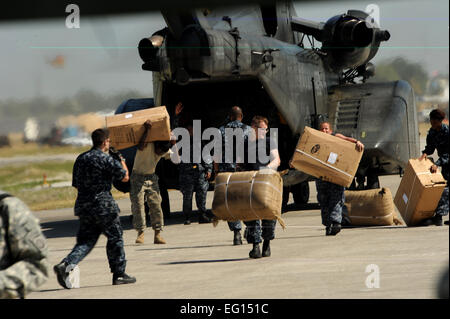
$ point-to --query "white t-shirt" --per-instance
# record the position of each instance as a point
(146, 160)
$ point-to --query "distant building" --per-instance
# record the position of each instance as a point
(437, 89)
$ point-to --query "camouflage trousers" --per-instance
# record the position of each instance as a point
(443, 204)
(331, 199)
(91, 227)
(193, 181)
(257, 229)
(235, 226)
(145, 188)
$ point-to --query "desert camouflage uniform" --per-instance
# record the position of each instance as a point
(145, 189)
(440, 140)
(93, 174)
(232, 167)
(23, 266)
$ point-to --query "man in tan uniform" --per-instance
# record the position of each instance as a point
(145, 187)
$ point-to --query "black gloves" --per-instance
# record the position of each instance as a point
(116, 154)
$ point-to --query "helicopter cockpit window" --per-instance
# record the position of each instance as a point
(270, 19)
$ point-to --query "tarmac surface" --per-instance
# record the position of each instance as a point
(200, 262)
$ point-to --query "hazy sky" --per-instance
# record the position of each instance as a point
(419, 32)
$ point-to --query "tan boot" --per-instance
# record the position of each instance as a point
(158, 238)
(140, 237)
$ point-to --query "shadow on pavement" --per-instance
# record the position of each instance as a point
(69, 228)
(293, 207)
(374, 227)
(59, 229)
(298, 237)
(185, 247)
(204, 261)
(81, 287)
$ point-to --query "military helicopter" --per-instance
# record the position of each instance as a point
(256, 56)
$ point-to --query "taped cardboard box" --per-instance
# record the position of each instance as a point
(126, 129)
(327, 157)
(419, 192)
(248, 196)
(372, 207)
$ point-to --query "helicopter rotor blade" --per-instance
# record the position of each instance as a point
(46, 9)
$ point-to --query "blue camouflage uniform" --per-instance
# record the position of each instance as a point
(232, 167)
(93, 173)
(257, 229)
(331, 198)
(439, 140)
(192, 178)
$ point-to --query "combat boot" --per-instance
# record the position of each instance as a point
(237, 239)
(266, 248)
(61, 273)
(435, 220)
(333, 229)
(140, 237)
(255, 252)
(187, 219)
(123, 279)
(158, 238)
(203, 219)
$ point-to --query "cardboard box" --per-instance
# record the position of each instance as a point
(419, 192)
(327, 157)
(126, 129)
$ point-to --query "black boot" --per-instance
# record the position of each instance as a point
(446, 222)
(123, 279)
(255, 252)
(187, 220)
(333, 229)
(435, 220)
(266, 248)
(203, 218)
(61, 273)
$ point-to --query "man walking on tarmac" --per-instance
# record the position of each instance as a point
(93, 173)
(194, 177)
(331, 196)
(438, 139)
(145, 187)
(235, 117)
(257, 229)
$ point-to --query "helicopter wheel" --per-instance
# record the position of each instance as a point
(372, 181)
